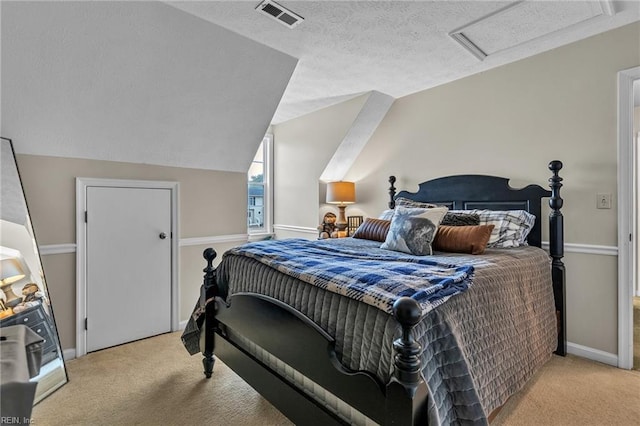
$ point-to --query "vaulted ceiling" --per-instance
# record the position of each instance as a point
(397, 48)
(137, 82)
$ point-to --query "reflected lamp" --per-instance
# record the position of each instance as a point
(10, 272)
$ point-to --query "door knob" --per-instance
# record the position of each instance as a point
(162, 235)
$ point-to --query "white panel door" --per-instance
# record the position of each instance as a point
(128, 264)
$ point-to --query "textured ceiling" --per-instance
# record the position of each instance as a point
(346, 48)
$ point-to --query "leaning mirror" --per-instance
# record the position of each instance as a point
(31, 363)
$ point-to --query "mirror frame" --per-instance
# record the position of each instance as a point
(50, 376)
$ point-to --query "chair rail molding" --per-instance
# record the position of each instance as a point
(586, 249)
(294, 228)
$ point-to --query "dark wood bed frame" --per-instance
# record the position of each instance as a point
(297, 341)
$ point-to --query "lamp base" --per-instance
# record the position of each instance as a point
(341, 222)
(11, 298)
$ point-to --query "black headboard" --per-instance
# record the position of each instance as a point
(467, 192)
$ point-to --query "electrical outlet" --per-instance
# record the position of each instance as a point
(603, 201)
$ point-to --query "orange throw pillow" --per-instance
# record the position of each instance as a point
(462, 239)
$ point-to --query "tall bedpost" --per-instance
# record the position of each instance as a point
(407, 363)
(407, 392)
(556, 250)
(208, 293)
(392, 192)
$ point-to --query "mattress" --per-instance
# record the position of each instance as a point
(478, 348)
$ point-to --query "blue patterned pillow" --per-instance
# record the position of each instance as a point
(413, 230)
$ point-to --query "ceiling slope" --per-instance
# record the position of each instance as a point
(137, 82)
(369, 118)
(403, 47)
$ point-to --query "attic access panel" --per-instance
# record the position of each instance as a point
(523, 21)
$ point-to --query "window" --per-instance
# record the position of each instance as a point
(259, 192)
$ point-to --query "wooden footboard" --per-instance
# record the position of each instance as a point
(301, 344)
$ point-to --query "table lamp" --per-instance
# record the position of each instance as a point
(11, 271)
(341, 193)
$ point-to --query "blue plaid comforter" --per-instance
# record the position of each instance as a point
(377, 278)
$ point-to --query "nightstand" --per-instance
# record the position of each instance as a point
(39, 321)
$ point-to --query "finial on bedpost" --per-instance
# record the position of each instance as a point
(392, 192)
(556, 250)
(407, 362)
(209, 272)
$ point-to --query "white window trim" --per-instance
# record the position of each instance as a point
(268, 191)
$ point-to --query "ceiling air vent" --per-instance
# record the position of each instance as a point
(279, 13)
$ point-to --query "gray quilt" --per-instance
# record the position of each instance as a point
(479, 348)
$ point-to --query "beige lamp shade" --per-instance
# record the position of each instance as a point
(341, 192)
(11, 271)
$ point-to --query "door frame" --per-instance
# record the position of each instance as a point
(81, 248)
(627, 213)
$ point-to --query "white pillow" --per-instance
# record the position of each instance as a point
(511, 227)
(386, 215)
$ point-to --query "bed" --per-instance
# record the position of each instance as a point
(323, 357)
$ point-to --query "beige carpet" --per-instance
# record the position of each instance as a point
(155, 382)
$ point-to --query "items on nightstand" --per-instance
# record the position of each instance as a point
(353, 223)
(328, 227)
(31, 296)
(36, 318)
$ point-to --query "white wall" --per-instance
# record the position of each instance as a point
(302, 149)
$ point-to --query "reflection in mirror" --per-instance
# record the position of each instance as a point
(31, 358)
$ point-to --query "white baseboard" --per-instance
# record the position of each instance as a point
(182, 325)
(69, 354)
(592, 354)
